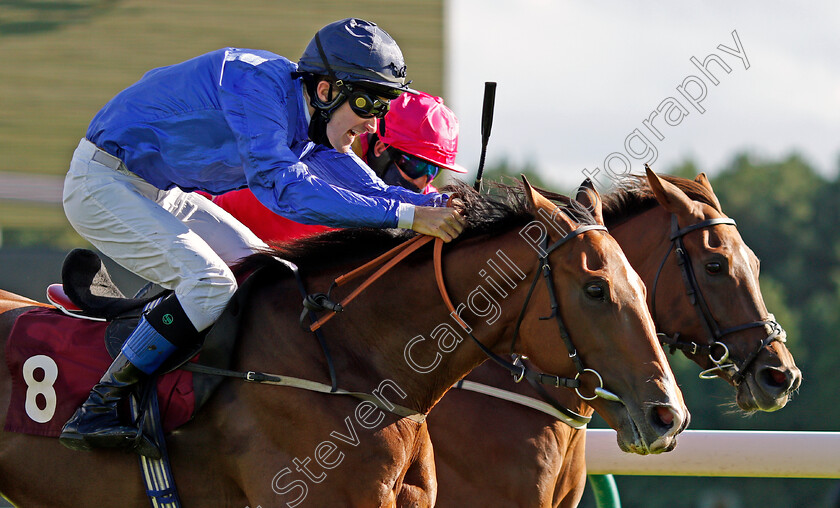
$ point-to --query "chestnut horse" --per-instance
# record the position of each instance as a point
(523, 457)
(280, 446)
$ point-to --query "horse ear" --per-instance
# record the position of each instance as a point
(669, 195)
(591, 200)
(539, 202)
(703, 180)
(535, 199)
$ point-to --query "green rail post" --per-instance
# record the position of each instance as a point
(605, 490)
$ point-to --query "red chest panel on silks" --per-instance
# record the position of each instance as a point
(55, 360)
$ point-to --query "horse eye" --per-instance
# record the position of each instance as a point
(594, 291)
(713, 268)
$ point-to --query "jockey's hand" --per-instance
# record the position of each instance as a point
(457, 204)
(443, 223)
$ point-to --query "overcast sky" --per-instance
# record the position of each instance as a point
(576, 79)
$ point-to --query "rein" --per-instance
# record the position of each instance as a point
(317, 302)
(390, 258)
(550, 407)
(321, 302)
(723, 363)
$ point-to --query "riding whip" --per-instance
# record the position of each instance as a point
(486, 125)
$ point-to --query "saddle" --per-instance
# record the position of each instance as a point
(88, 292)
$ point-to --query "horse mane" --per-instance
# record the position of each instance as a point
(501, 209)
(634, 196)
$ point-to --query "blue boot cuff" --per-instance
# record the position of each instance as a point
(146, 348)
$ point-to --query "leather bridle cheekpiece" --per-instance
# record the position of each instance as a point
(723, 364)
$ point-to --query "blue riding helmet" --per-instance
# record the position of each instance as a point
(357, 51)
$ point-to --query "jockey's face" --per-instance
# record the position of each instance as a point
(344, 125)
(393, 175)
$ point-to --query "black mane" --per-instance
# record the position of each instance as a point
(504, 208)
(634, 197)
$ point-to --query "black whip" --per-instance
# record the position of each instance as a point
(486, 125)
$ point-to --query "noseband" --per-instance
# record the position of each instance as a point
(723, 363)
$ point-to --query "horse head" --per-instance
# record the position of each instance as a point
(609, 336)
(721, 323)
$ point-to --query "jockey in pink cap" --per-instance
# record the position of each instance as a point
(417, 137)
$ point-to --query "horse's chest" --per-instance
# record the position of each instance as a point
(350, 465)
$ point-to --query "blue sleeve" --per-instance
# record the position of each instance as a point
(260, 101)
(308, 199)
(350, 172)
(255, 96)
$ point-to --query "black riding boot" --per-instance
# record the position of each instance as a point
(161, 331)
(97, 423)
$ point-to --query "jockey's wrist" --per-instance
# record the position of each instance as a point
(405, 215)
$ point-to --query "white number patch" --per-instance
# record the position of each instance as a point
(44, 387)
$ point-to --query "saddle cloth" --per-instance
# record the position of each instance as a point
(54, 361)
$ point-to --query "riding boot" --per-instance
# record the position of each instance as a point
(97, 423)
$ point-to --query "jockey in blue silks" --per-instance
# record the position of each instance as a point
(230, 119)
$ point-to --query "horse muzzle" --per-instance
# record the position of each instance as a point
(767, 387)
(652, 428)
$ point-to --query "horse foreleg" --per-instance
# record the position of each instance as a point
(419, 489)
(572, 480)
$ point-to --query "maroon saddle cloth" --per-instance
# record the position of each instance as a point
(54, 361)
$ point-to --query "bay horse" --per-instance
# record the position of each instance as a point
(529, 458)
(277, 446)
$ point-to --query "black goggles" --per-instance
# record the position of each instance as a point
(414, 167)
(367, 106)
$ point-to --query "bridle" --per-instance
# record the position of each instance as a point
(516, 368)
(723, 364)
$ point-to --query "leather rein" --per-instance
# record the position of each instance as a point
(515, 367)
(322, 302)
(724, 364)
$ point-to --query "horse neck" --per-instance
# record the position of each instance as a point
(420, 346)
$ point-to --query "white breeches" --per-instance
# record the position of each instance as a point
(178, 240)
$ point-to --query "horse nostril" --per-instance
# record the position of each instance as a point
(663, 417)
(775, 378)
